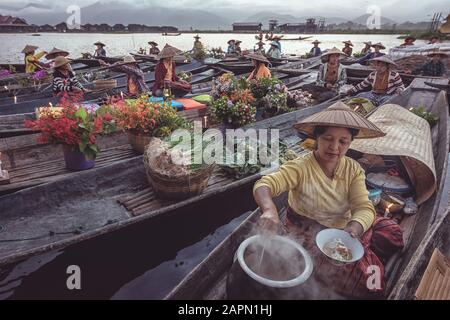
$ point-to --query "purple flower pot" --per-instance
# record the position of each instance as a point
(75, 160)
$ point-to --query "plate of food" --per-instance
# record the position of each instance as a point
(339, 245)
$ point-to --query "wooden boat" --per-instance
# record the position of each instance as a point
(179, 60)
(208, 280)
(100, 200)
(171, 34)
(295, 39)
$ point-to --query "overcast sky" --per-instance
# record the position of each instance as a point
(395, 9)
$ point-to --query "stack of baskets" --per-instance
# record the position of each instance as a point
(105, 84)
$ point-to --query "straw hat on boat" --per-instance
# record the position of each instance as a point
(128, 60)
(316, 41)
(384, 59)
(238, 42)
(197, 37)
(410, 38)
(231, 40)
(98, 43)
(60, 61)
(168, 52)
(437, 52)
(340, 115)
(379, 44)
(257, 56)
(153, 43)
(276, 44)
(369, 43)
(334, 51)
(348, 42)
(29, 48)
(55, 53)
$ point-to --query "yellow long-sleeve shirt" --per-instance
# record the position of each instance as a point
(30, 67)
(330, 202)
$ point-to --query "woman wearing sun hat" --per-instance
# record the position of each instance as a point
(260, 47)
(100, 50)
(274, 51)
(32, 59)
(367, 48)
(231, 46)
(165, 73)
(330, 78)
(64, 79)
(326, 189)
(260, 62)
(153, 48)
(372, 55)
(237, 47)
(315, 51)
(384, 82)
(348, 48)
(135, 77)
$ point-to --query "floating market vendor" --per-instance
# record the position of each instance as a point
(64, 79)
(135, 77)
(260, 47)
(367, 48)
(100, 52)
(198, 52)
(409, 41)
(237, 47)
(327, 189)
(274, 51)
(231, 47)
(315, 51)
(260, 62)
(32, 59)
(347, 48)
(165, 74)
(330, 78)
(434, 39)
(384, 82)
(434, 68)
(52, 55)
(371, 55)
(153, 48)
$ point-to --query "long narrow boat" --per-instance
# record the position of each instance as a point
(103, 200)
(208, 280)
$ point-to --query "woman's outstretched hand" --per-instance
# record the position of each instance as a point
(269, 222)
(355, 229)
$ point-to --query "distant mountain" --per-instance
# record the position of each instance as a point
(363, 20)
(265, 16)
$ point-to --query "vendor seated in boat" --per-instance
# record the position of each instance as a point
(100, 52)
(32, 59)
(434, 40)
(348, 50)
(316, 51)
(231, 47)
(326, 189)
(367, 48)
(330, 78)
(274, 51)
(153, 48)
(434, 68)
(65, 80)
(135, 77)
(197, 50)
(409, 41)
(260, 62)
(52, 55)
(260, 47)
(237, 47)
(165, 73)
(384, 82)
(371, 55)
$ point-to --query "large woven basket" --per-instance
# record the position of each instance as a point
(138, 141)
(105, 84)
(177, 187)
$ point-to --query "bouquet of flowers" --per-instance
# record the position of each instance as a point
(145, 117)
(270, 95)
(185, 76)
(73, 125)
(299, 99)
(215, 53)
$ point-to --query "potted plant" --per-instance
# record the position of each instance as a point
(76, 128)
(143, 120)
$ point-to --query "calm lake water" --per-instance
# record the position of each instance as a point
(120, 44)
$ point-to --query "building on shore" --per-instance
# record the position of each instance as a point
(247, 26)
(14, 24)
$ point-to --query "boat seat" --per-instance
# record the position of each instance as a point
(435, 283)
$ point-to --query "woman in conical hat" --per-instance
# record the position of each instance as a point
(32, 60)
(348, 48)
(64, 79)
(100, 51)
(315, 51)
(56, 53)
(330, 78)
(372, 55)
(367, 48)
(383, 82)
(274, 51)
(153, 48)
(326, 189)
(435, 67)
(260, 62)
(166, 75)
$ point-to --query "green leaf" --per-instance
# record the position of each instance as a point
(82, 146)
(81, 113)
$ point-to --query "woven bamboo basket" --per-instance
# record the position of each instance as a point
(105, 84)
(138, 141)
(177, 187)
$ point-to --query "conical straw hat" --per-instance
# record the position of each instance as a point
(379, 44)
(29, 48)
(334, 51)
(257, 56)
(60, 61)
(339, 115)
(348, 42)
(384, 59)
(168, 52)
(56, 52)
